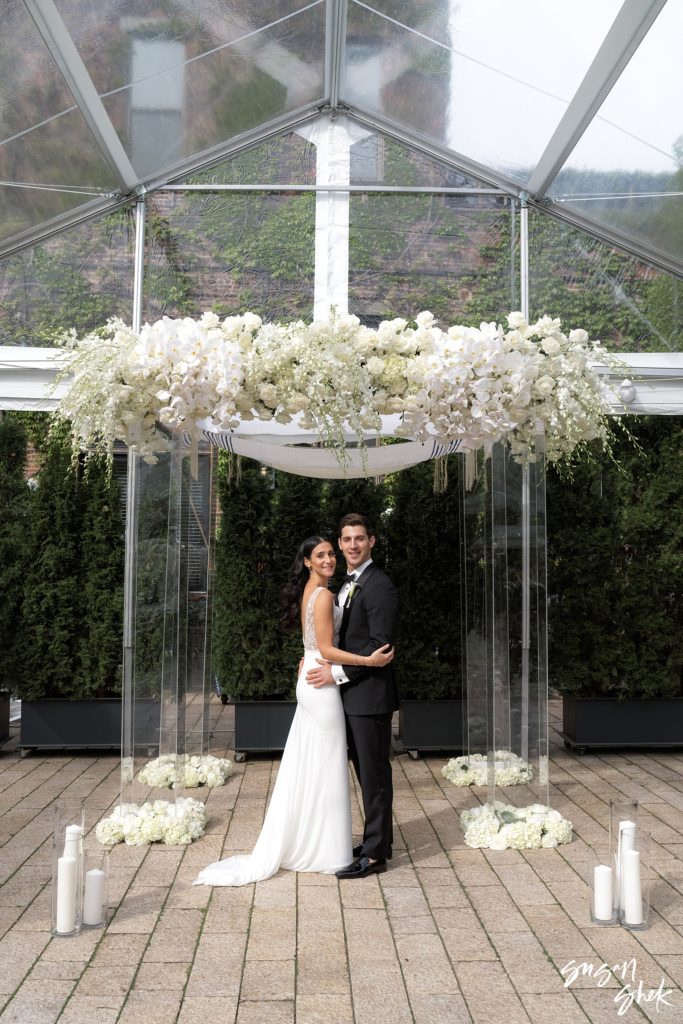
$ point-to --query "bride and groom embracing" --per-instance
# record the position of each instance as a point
(346, 695)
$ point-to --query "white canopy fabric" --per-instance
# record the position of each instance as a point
(323, 463)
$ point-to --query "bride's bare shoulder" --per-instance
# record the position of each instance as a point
(324, 599)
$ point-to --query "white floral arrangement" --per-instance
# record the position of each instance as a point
(504, 827)
(479, 385)
(175, 824)
(472, 770)
(193, 771)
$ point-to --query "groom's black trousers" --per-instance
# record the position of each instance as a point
(369, 742)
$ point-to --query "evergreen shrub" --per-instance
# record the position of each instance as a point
(615, 569)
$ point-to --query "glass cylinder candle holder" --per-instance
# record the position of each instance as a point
(623, 825)
(67, 867)
(601, 884)
(95, 887)
(635, 881)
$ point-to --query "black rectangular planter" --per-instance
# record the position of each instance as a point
(53, 724)
(262, 725)
(4, 715)
(603, 722)
(432, 725)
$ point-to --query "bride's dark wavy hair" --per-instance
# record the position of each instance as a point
(296, 581)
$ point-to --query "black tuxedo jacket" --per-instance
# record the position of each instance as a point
(369, 622)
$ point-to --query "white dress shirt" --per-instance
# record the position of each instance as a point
(338, 672)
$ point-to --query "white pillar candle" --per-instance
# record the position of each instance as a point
(626, 841)
(93, 898)
(67, 890)
(633, 899)
(73, 841)
(602, 892)
(627, 834)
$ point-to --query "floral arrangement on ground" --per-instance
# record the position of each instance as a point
(160, 821)
(472, 770)
(501, 826)
(479, 385)
(185, 772)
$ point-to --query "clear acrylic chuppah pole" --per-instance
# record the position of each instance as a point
(130, 569)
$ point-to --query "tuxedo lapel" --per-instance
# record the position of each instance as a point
(349, 605)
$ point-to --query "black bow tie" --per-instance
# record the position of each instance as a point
(350, 577)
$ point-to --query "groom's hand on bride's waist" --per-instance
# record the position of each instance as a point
(321, 676)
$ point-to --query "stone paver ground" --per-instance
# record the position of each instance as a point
(448, 935)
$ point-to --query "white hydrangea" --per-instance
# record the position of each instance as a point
(472, 769)
(481, 832)
(160, 821)
(192, 772)
(502, 826)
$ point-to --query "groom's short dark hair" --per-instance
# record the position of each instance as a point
(356, 519)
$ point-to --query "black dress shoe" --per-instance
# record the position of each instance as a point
(361, 867)
(358, 852)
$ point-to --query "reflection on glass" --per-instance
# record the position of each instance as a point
(629, 161)
(396, 73)
(177, 80)
(44, 139)
(477, 76)
(628, 305)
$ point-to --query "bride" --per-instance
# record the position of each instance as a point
(308, 822)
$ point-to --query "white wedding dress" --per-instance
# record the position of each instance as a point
(308, 822)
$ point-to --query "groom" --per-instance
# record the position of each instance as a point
(370, 603)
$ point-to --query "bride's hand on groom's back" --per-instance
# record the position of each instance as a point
(381, 657)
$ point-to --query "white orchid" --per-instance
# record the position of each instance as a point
(477, 384)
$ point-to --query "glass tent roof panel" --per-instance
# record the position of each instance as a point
(49, 161)
(493, 97)
(181, 78)
(627, 169)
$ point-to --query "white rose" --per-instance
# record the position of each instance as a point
(375, 366)
(551, 346)
(516, 320)
(424, 319)
(545, 385)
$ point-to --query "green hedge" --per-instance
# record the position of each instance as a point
(615, 549)
(65, 574)
(615, 569)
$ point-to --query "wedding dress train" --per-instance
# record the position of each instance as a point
(308, 822)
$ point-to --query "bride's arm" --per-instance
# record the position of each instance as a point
(323, 620)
